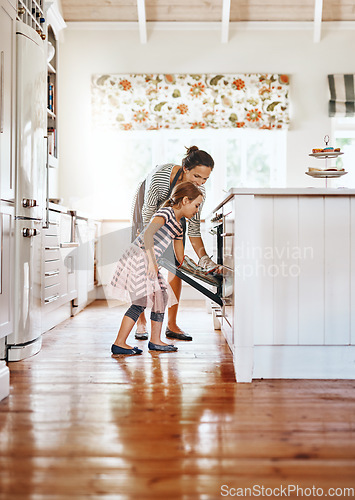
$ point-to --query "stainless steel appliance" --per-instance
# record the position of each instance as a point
(30, 192)
(221, 226)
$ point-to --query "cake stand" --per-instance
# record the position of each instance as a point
(326, 155)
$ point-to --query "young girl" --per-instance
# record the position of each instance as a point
(137, 276)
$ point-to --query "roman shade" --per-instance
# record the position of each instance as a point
(188, 101)
(342, 95)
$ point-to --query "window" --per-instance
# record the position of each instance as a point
(344, 137)
(243, 158)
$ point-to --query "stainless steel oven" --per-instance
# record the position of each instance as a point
(222, 227)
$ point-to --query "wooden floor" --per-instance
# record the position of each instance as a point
(80, 424)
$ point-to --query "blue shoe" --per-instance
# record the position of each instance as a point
(115, 349)
(164, 348)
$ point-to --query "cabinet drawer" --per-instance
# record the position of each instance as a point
(54, 218)
(52, 230)
(51, 278)
(51, 265)
(51, 293)
(51, 253)
(51, 240)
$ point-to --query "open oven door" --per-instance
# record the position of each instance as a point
(170, 266)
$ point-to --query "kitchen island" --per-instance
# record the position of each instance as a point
(289, 289)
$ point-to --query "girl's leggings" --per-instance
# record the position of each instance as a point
(160, 301)
(135, 311)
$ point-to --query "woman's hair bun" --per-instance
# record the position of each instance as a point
(195, 156)
(191, 150)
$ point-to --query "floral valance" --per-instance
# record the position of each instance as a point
(181, 101)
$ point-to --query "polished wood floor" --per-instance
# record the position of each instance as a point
(80, 424)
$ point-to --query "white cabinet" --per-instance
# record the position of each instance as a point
(6, 280)
(55, 24)
(6, 268)
(69, 256)
(292, 308)
(85, 231)
(52, 98)
(51, 264)
(7, 94)
(58, 274)
(68, 253)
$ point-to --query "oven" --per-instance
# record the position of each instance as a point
(222, 228)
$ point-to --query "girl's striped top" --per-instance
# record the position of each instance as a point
(156, 193)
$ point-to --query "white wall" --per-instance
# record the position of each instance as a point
(84, 53)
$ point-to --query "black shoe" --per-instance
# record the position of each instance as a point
(174, 335)
(162, 348)
(141, 336)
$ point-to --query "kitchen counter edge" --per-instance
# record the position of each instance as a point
(285, 192)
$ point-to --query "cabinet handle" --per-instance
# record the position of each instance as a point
(70, 244)
(51, 248)
(52, 298)
(2, 102)
(28, 203)
(29, 232)
(227, 234)
(51, 273)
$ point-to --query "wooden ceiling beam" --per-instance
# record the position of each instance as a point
(318, 13)
(226, 11)
(142, 21)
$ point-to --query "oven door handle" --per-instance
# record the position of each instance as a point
(223, 235)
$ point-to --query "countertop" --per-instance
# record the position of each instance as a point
(286, 192)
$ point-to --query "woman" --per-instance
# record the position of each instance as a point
(196, 167)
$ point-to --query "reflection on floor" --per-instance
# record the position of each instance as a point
(80, 424)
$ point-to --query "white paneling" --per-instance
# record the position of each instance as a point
(337, 270)
(311, 279)
(244, 288)
(302, 362)
(352, 271)
(285, 270)
(244, 273)
(263, 245)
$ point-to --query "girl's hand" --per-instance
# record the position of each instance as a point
(179, 250)
(152, 270)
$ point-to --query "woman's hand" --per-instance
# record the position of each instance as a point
(209, 266)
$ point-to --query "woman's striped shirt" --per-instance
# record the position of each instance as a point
(156, 193)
